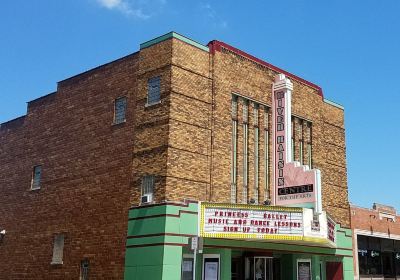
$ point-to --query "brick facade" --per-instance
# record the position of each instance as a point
(381, 222)
(92, 169)
(86, 177)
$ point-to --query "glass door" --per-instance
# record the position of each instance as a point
(258, 268)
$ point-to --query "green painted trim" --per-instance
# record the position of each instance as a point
(279, 247)
(162, 210)
(337, 105)
(173, 35)
(157, 239)
(307, 205)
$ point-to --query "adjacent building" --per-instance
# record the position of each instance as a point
(180, 159)
(376, 239)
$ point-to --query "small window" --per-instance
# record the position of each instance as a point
(119, 110)
(153, 90)
(187, 267)
(84, 275)
(147, 188)
(58, 249)
(36, 175)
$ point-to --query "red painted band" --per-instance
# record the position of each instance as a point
(215, 46)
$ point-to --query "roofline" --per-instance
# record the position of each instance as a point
(97, 67)
(175, 35)
(12, 120)
(330, 102)
(216, 45)
(41, 97)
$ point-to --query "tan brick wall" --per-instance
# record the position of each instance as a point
(234, 74)
(190, 131)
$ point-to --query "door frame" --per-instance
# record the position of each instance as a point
(297, 267)
(211, 256)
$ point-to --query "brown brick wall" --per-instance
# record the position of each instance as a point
(86, 174)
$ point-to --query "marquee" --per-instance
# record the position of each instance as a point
(258, 222)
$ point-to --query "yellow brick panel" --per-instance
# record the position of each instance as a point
(191, 84)
(178, 188)
(145, 139)
(188, 165)
(334, 135)
(335, 155)
(333, 115)
(189, 137)
(185, 109)
(190, 57)
(156, 56)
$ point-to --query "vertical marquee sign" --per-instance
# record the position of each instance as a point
(294, 184)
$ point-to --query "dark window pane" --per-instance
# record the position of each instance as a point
(387, 245)
(374, 262)
(120, 110)
(388, 265)
(37, 174)
(58, 248)
(153, 94)
(84, 270)
(362, 242)
(362, 261)
(374, 243)
(396, 257)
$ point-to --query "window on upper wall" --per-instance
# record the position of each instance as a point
(84, 275)
(153, 90)
(36, 176)
(147, 188)
(58, 249)
(120, 110)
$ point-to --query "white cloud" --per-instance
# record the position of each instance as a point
(129, 7)
(110, 4)
(212, 16)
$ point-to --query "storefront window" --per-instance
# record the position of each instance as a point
(396, 256)
(387, 262)
(374, 262)
(378, 256)
(362, 261)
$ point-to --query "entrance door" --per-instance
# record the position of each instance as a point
(259, 268)
(334, 271)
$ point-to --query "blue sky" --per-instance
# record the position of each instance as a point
(350, 48)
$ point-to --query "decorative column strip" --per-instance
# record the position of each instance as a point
(301, 142)
(234, 150)
(256, 153)
(245, 150)
(293, 141)
(267, 191)
(309, 145)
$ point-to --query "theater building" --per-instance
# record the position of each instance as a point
(178, 161)
(376, 241)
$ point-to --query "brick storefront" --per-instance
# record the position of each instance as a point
(376, 241)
